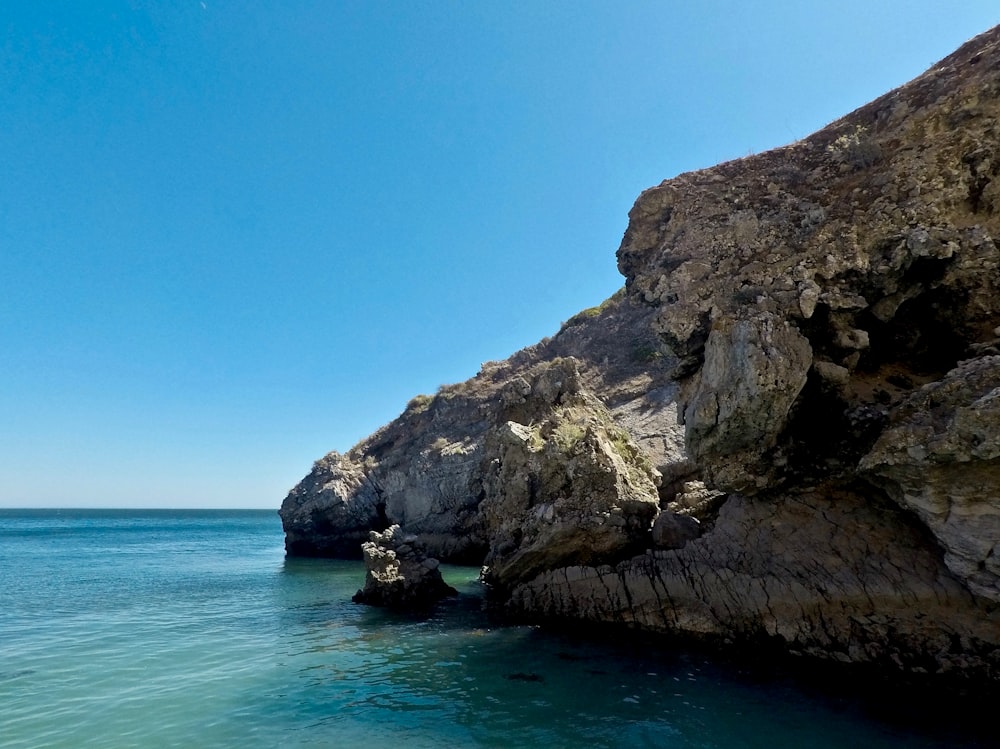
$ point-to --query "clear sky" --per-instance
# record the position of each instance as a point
(235, 235)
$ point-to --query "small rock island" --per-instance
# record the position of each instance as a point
(784, 429)
(400, 576)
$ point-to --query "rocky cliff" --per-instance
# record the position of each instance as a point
(786, 427)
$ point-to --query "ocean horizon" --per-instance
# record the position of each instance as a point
(162, 628)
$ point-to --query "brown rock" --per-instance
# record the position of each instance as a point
(832, 574)
(823, 319)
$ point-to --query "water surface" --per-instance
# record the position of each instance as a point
(191, 629)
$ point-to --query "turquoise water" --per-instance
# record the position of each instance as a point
(191, 629)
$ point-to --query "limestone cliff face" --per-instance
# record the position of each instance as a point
(806, 360)
(812, 290)
(439, 468)
(857, 263)
(562, 484)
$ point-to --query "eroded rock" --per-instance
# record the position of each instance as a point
(568, 486)
(740, 399)
(399, 574)
(423, 470)
(940, 458)
(829, 573)
(876, 266)
(331, 511)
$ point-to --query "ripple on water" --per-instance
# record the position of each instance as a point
(193, 630)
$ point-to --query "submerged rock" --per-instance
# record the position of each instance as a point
(399, 575)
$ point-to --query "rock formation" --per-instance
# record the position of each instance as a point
(786, 427)
(940, 458)
(426, 472)
(399, 575)
(563, 484)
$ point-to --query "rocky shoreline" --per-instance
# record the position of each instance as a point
(786, 427)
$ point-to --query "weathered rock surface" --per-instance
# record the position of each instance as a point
(815, 281)
(940, 458)
(399, 575)
(424, 471)
(563, 484)
(830, 573)
(786, 427)
(331, 511)
(753, 372)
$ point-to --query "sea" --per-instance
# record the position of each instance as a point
(137, 628)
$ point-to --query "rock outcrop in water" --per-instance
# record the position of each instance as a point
(400, 575)
(786, 428)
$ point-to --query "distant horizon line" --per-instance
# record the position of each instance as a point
(143, 509)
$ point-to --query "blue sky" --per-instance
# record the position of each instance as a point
(235, 235)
